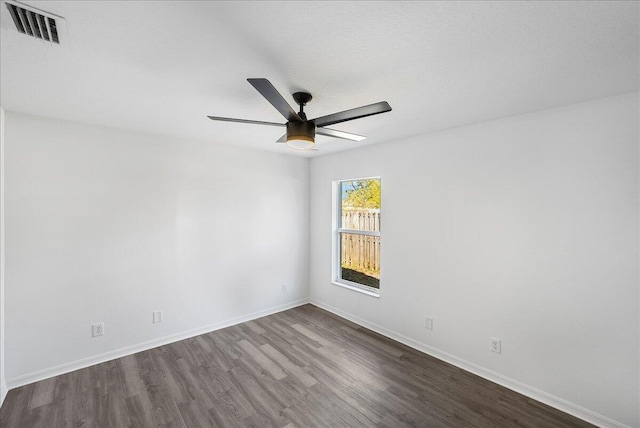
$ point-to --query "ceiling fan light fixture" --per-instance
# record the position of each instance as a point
(300, 144)
(301, 135)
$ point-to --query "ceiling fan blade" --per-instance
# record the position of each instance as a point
(254, 122)
(282, 139)
(339, 134)
(273, 96)
(355, 113)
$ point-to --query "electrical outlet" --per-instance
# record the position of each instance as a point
(428, 323)
(157, 317)
(97, 329)
(496, 345)
(284, 287)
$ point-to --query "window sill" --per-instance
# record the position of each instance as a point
(371, 293)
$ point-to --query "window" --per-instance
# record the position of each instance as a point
(356, 240)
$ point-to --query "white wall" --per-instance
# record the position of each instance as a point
(3, 383)
(524, 229)
(107, 226)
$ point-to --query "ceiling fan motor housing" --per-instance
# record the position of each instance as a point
(305, 131)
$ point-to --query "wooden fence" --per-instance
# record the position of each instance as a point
(361, 219)
(361, 252)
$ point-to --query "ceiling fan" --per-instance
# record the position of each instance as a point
(301, 132)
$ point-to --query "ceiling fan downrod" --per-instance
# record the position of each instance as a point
(302, 98)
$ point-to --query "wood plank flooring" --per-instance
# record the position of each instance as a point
(304, 367)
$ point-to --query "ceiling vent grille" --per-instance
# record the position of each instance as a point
(35, 23)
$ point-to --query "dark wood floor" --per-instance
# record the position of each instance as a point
(303, 367)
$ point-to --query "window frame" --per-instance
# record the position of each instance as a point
(336, 265)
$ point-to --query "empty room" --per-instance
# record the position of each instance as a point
(319, 214)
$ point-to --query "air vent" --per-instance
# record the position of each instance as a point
(35, 23)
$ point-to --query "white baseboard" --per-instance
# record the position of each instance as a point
(128, 350)
(3, 391)
(524, 389)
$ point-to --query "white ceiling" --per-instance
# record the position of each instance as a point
(163, 66)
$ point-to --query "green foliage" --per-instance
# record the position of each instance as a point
(362, 194)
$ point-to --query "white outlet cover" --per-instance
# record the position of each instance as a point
(428, 323)
(157, 317)
(97, 329)
(496, 345)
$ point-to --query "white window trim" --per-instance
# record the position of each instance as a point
(335, 242)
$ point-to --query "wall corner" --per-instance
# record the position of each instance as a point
(3, 383)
